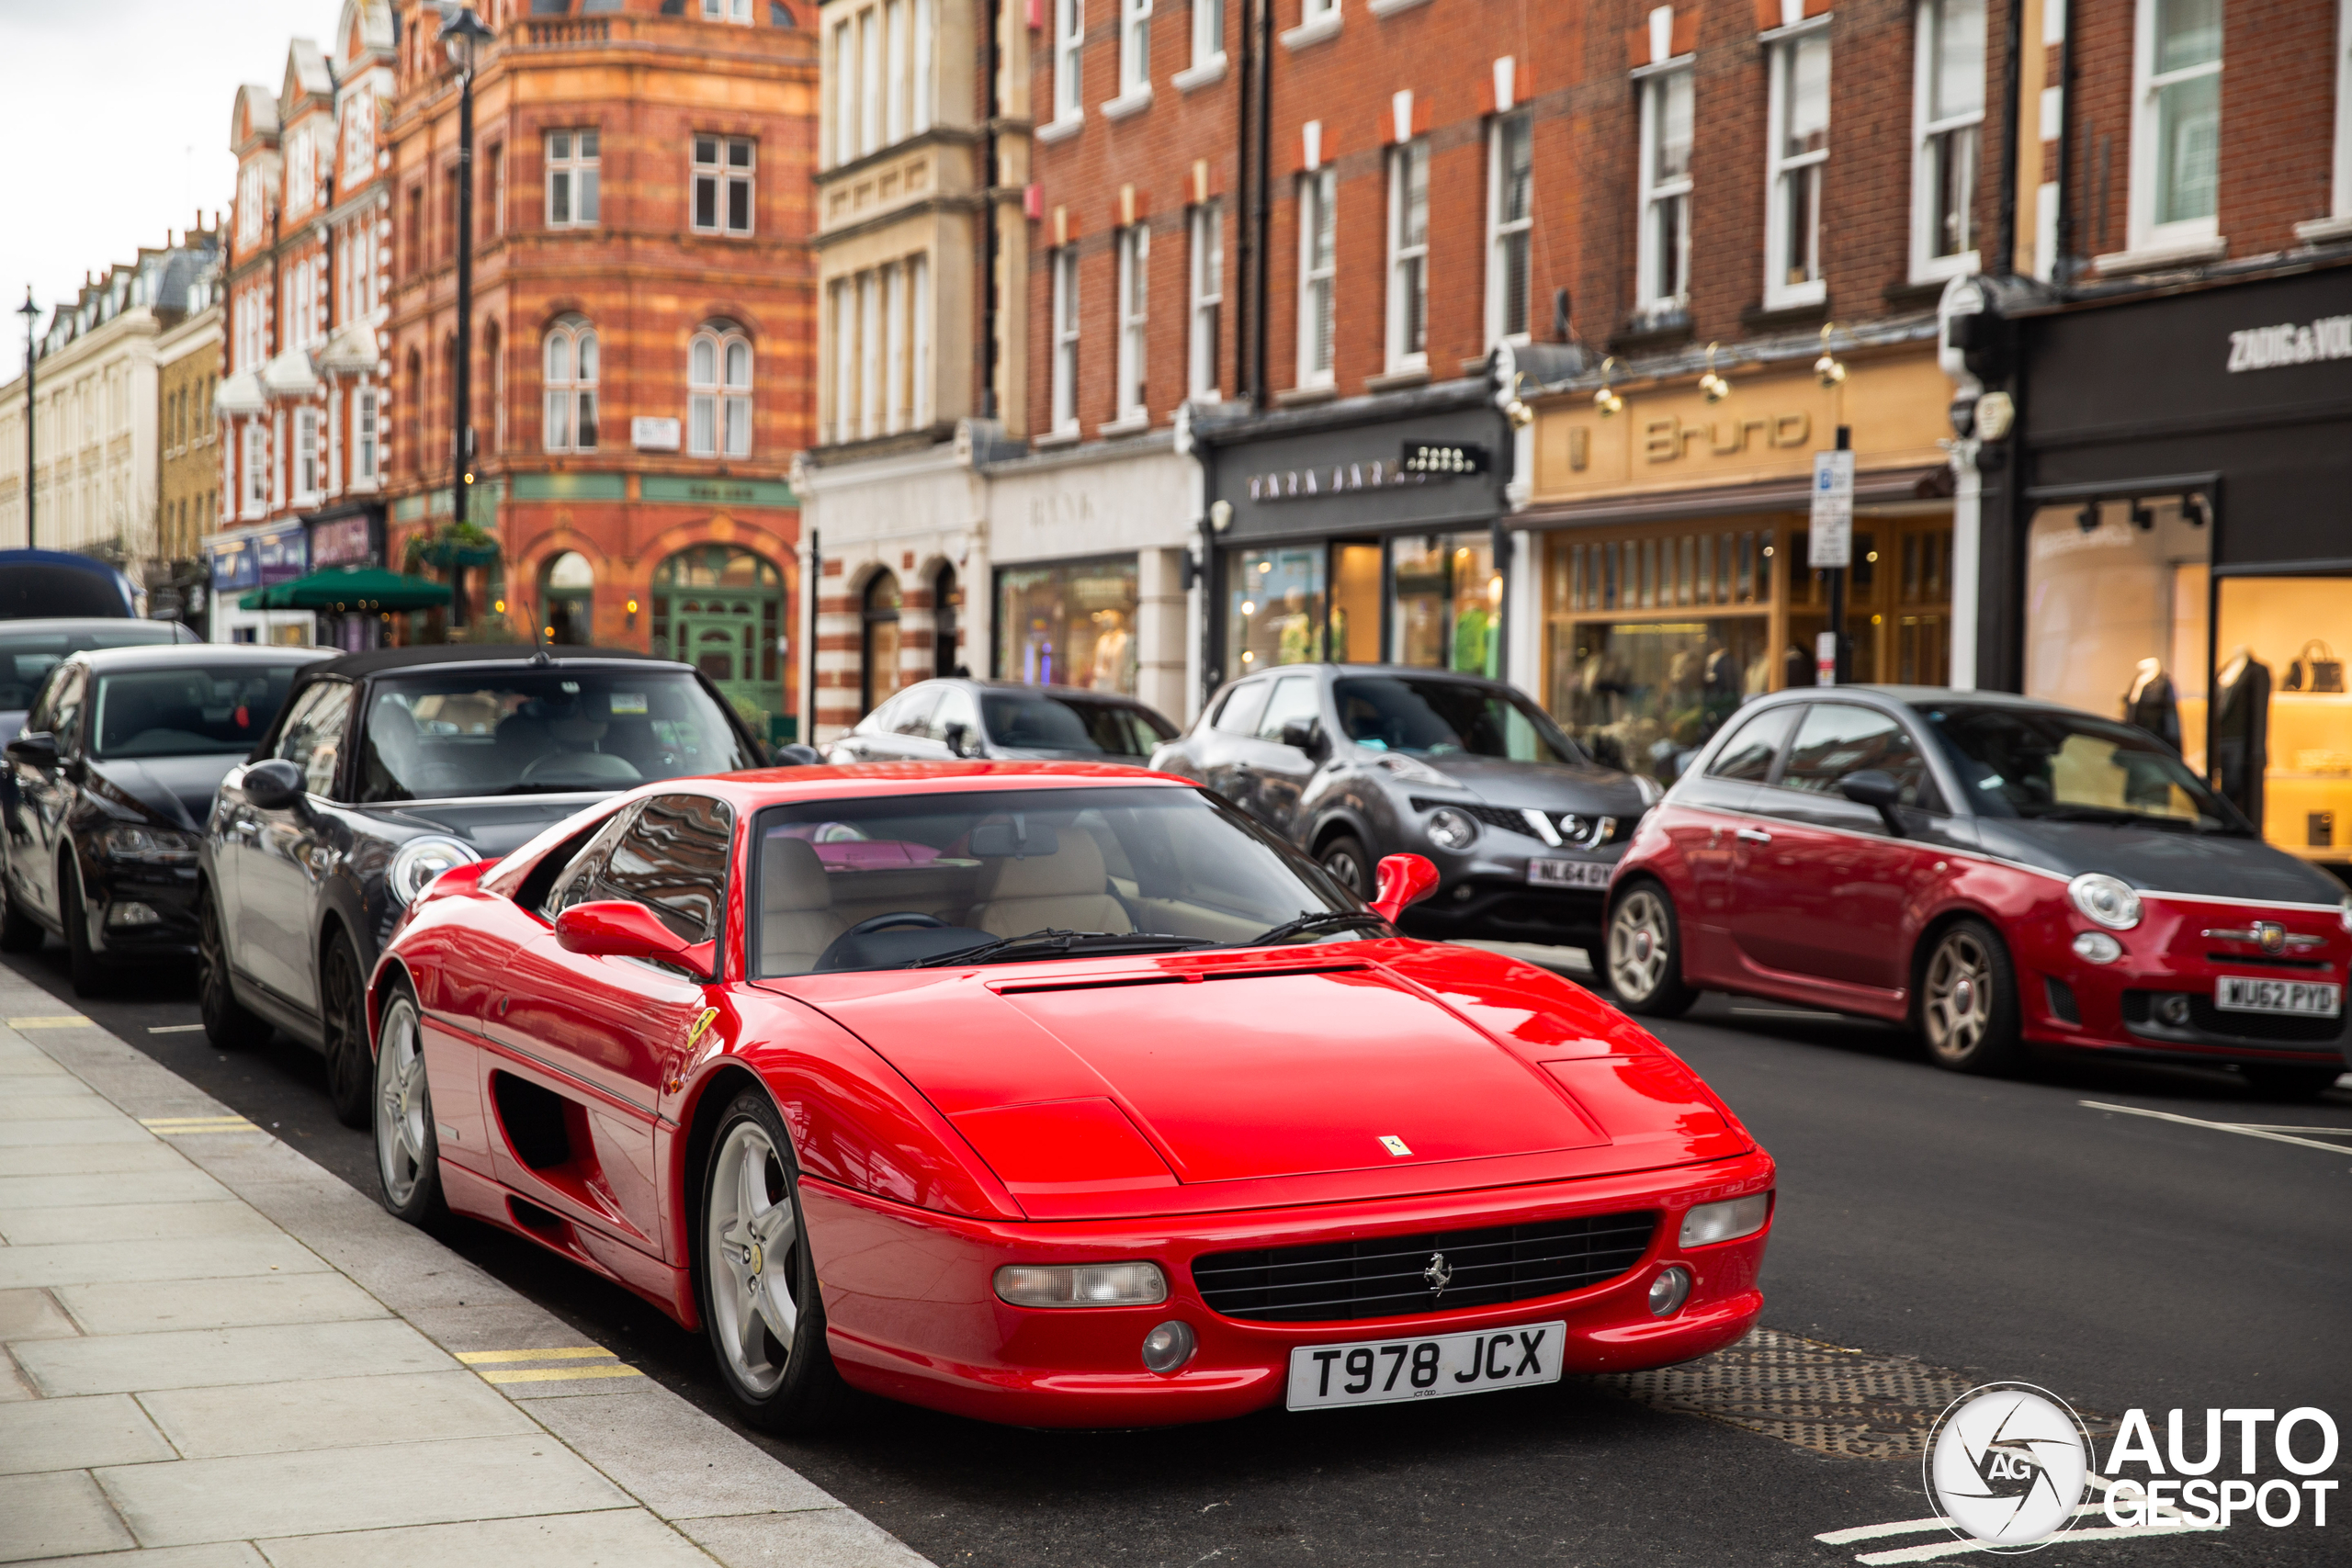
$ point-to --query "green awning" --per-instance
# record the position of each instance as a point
(351, 589)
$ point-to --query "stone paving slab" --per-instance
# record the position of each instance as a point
(217, 1554)
(130, 1222)
(346, 1412)
(216, 1303)
(634, 1436)
(102, 1262)
(41, 1134)
(284, 1353)
(833, 1539)
(76, 1434)
(56, 1514)
(575, 1540)
(32, 1315)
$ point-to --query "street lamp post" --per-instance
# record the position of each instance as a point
(461, 33)
(31, 314)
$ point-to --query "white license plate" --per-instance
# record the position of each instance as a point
(1386, 1372)
(1568, 872)
(2247, 993)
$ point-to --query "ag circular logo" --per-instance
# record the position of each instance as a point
(2006, 1463)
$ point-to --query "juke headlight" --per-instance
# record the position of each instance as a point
(148, 846)
(2109, 900)
(419, 861)
(1452, 830)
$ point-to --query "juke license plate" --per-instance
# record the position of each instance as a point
(2247, 993)
(1545, 873)
(1385, 1372)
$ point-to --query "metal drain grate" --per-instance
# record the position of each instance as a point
(1832, 1401)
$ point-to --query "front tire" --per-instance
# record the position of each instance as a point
(343, 1015)
(89, 972)
(1350, 864)
(1644, 954)
(408, 1149)
(1968, 1001)
(228, 1023)
(756, 1280)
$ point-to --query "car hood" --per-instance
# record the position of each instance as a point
(489, 827)
(1241, 1072)
(2158, 860)
(175, 791)
(1583, 787)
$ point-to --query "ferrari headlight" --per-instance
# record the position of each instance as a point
(2109, 900)
(1081, 1284)
(148, 846)
(1711, 1222)
(1452, 830)
(419, 862)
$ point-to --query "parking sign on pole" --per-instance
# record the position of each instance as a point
(1832, 540)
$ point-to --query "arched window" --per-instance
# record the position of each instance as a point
(879, 676)
(718, 389)
(568, 592)
(570, 373)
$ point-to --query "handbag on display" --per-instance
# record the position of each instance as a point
(2315, 669)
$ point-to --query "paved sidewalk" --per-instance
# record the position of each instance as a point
(217, 1354)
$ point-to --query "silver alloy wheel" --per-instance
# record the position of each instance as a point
(1638, 946)
(1344, 869)
(1958, 1004)
(404, 1105)
(751, 1239)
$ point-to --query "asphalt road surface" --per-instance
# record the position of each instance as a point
(1973, 1229)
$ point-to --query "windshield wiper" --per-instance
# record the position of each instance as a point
(1323, 920)
(1059, 943)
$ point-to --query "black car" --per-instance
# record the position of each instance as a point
(385, 770)
(29, 650)
(111, 782)
(936, 720)
(1354, 762)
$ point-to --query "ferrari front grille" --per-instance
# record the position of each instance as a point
(1393, 1276)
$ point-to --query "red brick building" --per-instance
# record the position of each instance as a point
(642, 329)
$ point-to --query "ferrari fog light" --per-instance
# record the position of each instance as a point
(419, 862)
(1711, 1223)
(132, 913)
(1081, 1284)
(2098, 947)
(1452, 830)
(1169, 1347)
(2109, 900)
(1669, 1291)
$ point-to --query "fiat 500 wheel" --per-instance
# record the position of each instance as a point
(757, 1280)
(1968, 1001)
(408, 1150)
(1645, 954)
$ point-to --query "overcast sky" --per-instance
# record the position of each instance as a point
(115, 114)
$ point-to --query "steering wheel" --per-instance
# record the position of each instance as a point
(888, 922)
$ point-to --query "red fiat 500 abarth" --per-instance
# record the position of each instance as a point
(1059, 1094)
(1995, 869)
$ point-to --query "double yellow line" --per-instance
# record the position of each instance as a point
(583, 1362)
(183, 1126)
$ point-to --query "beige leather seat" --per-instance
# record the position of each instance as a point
(796, 918)
(1066, 889)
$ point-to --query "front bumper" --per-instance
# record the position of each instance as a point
(912, 1313)
(138, 910)
(1504, 910)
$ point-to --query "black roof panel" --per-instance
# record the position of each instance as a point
(359, 666)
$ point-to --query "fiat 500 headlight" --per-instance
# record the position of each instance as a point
(1711, 1223)
(2109, 900)
(419, 862)
(1452, 830)
(1081, 1284)
(148, 846)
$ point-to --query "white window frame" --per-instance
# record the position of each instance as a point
(871, 389)
(2199, 234)
(723, 177)
(870, 49)
(1134, 53)
(738, 12)
(1209, 42)
(1780, 170)
(1502, 232)
(1134, 305)
(841, 311)
(1319, 279)
(1926, 131)
(719, 405)
(841, 144)
(896, 91)
(1206, 310)
(257, 485)
(2340, 220)
(1065, 331)
(308, 478)
(919, 340)
(578, 171)
(1069, 68)
(366, 445)
(1406, 295)
(1652, 269)
(570, 393)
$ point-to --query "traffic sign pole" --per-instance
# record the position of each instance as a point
(1830, 547)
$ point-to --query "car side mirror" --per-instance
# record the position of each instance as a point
(274, 785)
(959, 738)
(615, 928)
(35, 749)
(1404, 880)
(1876, 788)
(792, 754)
(1305, 735)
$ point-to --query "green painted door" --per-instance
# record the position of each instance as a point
(732, 640)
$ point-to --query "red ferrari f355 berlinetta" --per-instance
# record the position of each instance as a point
(1057, 1094)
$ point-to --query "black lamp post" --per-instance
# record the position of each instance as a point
(462, 34)
(32, 313)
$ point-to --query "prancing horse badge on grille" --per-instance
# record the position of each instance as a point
(1439, 1274)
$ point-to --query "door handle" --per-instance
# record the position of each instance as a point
(1754, 836)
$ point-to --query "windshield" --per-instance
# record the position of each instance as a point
(1037, 721)
(883, 883)
(1439, 718)
(206, 710)
(2069, 767)
(541, 730)
(27, 657)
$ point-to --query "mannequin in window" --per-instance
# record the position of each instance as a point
(2151, 704)
(2240, 729)
(1110, 651)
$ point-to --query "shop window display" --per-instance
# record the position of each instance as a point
(1898, 605)
(1071, 624)
(1275, 608)
(2282, 713)
(1445, 607)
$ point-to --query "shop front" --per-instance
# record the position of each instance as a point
(2180, 546)
(1360, 532)
(351, 534)
(248, 559)
(1673, 533)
